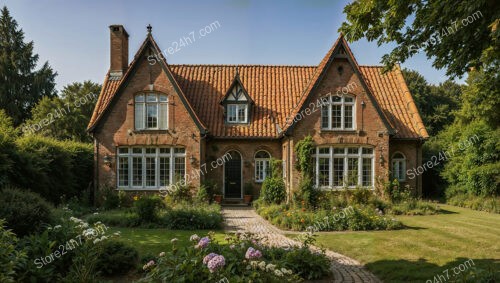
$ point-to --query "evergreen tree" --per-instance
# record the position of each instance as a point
(21, 85)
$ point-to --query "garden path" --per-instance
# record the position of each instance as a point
(344, 269)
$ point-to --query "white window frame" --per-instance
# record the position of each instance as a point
(329, 103)
(237, 118)
(345, 156)
(158, 103)
(265, 166)
(397, 164)
(130, 155)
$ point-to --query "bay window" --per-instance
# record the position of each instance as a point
(150, 167)
(337, 167)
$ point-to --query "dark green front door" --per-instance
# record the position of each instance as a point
(232, 176)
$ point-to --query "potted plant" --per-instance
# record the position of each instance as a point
(248, 193)
(217, 194)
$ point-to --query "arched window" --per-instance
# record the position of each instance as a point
(151, 111)
(262, 165)
(399, 166)
(338, 113)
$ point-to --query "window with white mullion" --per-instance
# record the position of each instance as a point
(339, 113)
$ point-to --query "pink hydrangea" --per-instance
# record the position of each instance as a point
(215, 263)
(203, 243)
(208, 257)
(253, 253)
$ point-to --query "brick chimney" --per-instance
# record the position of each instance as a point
(119, 50)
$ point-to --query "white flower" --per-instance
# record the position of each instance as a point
(97, 223)
(254, 264)
(278, 273)
(194, 238)
(97, 241)
(95, 213)
(161, 254)
(116, 233)
(49, 228)
(57, 227)
(174, 240)
(104, 238)
(262, 265)
(270, 267)
(286, 271)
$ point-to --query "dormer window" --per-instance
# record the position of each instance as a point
(237, 103)
(151, 111)
(237, 113)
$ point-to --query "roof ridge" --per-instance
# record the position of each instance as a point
(240, 65)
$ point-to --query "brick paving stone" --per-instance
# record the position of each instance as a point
(344, 269)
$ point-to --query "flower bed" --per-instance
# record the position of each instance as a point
(241, 259)
(179, 217)
(337, 219)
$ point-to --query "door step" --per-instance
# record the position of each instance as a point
(233, 202)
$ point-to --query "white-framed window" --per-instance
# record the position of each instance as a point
(399, 166)
(338, 167)
(338, 113)
(151, 111)
(237, 113)
(262, 165)
(150, 167)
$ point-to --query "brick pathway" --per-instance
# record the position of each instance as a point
(246, 219)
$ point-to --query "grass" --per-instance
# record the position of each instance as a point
(154, 241)
(430, 245)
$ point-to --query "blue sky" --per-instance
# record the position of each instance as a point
(74, 36)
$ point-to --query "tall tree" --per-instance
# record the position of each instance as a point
(458, 35)
(21, 85)
(437, 103)
(65, 117)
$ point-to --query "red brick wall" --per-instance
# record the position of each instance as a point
(370, 129)
(117, 127)
(412, 150)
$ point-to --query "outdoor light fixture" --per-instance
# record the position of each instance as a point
(107, 160)
(192, 159)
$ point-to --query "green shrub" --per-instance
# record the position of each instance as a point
(116, 258)
(490, 204)
(273, 190)
(202, 195)
(10, 257)
(188, 217)
(307, 264)
(118, 218)
(25, 212)
(180, 193)
(308, 192)
(110, 198)
(147, 208)
(57, 170)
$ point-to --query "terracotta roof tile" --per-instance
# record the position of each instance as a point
(277, 92)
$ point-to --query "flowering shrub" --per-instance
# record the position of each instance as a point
(241, 259)
(350, 218)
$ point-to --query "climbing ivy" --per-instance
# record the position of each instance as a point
(304, 150)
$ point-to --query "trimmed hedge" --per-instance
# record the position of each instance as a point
(54, 169)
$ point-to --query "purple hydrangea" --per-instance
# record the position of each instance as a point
(216, 262)
(253, 253)
(203, 243)
(208, 257)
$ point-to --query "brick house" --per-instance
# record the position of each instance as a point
(156, 124)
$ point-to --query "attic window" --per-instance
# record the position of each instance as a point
(237, 104)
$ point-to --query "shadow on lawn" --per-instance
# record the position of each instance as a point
(422, 271)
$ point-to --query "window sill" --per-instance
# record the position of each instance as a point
(339, 131)
(323, 188)
(136, 189)
(152, 131)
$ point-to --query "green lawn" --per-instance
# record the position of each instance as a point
(428, 246)
(154, 241)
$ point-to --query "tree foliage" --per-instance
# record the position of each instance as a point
(21, 86)
(457, 35)
(67, 116)
(436, 103)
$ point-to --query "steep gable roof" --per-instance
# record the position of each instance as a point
(278, 92)
(113, 85)
(339, 45)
